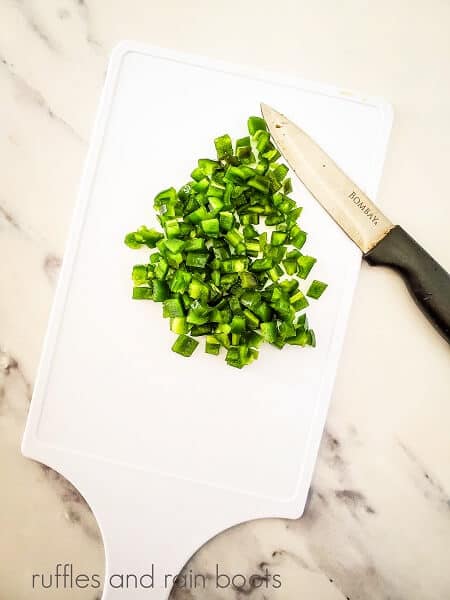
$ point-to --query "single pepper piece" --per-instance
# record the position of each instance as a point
(172, 307)
(316, 289)
(256, 123)
(269, 331)
(142, 293)
(261, 264)
(305, 264)
(179, 325)
(139, 274)
(212, 345)
(224, 147)
(226, 220)
(143, 236)
(160, 291)
(243, 148)
(298, 300)
(210, 227)
(180, 281)
(184, 345)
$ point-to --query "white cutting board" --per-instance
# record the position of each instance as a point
(169, 451)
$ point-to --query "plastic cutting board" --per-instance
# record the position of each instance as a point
(170, 451)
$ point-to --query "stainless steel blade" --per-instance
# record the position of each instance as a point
(349, 206)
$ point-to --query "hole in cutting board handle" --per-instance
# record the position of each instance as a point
(80, 529)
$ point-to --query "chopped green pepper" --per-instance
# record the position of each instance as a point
(179, 325)
(139, 274)
(305, 264)
(256, 123)
(142, 293)
(211, 227)
(215, 274)
(316, 289)
(172, 308)
(184, 345)
(212, 345)
(224, 147)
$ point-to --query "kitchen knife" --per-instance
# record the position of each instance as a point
(381, 242)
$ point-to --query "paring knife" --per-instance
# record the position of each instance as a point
(381, 242)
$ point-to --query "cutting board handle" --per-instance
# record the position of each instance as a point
(147, 544)
(149, 529)
(143, 564)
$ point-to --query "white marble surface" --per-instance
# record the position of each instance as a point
(378, 523)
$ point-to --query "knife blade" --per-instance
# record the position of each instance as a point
(381, 242)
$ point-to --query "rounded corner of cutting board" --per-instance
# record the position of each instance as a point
(120, 50)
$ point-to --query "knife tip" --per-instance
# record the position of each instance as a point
(269, 113)
(264, 108)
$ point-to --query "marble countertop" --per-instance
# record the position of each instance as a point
(377, 526)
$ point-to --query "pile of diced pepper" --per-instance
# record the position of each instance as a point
(218, 276)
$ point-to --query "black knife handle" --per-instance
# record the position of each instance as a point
(427, 281)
